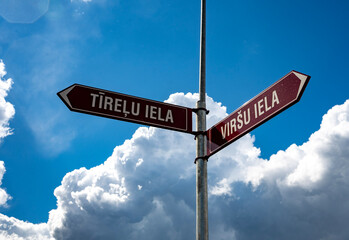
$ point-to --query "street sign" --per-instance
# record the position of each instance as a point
(272, 101)
(99, 102)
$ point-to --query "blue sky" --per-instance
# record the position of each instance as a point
(67, 175)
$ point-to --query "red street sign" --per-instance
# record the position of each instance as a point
(272, 101)
(119, 106)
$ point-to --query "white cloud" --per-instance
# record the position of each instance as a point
(7, 110)
(146, 189)
(315, 163)
(4, 196)
(300, 193)
(14, 229)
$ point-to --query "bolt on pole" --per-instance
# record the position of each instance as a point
(201, 160)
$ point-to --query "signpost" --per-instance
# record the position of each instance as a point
(275, 99)
(201, 159)
(272, 101)
(94, 101)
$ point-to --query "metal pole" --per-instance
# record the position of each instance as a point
(201, 160)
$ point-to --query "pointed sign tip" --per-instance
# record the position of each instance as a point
(304, 81)
(63, 95)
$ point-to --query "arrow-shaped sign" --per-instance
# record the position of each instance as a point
(272, 101)
(119, 106)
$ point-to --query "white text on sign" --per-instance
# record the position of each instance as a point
(125, 107)
(243, 118)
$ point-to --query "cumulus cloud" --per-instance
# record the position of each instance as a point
(299, 193)
(249, 197)
(7, 110)
(4, 196)
(109, 194)
(14, 229)
(146, 188)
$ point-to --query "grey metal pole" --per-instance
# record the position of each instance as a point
(201, 160)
